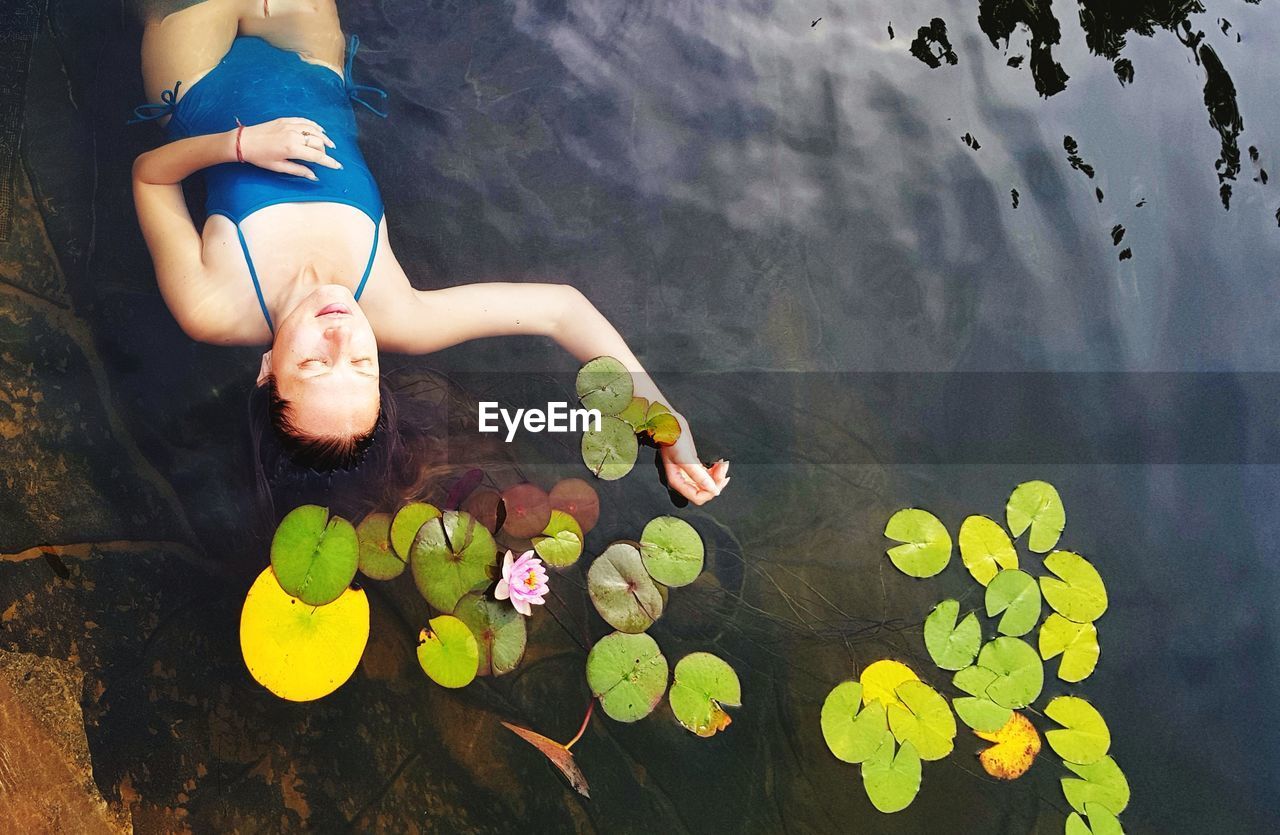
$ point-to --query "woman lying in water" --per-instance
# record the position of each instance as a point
(258, 94)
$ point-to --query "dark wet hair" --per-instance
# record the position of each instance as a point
(323, 453)
(424, 438)
(291, 468)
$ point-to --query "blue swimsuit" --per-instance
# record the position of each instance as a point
(256, 82)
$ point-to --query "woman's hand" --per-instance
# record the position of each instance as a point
(686, 473)
(275, 146)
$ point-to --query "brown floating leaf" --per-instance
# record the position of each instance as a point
(1015, 749)
(528, 510)
(483, 506)
(561, 757)
(578, 499)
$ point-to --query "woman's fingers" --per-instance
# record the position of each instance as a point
(316, 155)
(307, 127)
(294, 168)
(683, 483)
(701, 477)
(684, 479)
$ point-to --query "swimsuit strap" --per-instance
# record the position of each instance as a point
(369, 266)
(157, 110)
(354, 90)
(253, 274)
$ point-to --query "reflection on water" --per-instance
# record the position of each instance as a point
(742, 192)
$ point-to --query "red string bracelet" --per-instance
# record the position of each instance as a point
(239, 130)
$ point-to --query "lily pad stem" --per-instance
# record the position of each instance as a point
(585, 720)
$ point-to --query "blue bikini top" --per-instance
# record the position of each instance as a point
(256, 82)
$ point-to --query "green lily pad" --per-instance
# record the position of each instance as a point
(448, 652)
(1015, 593)
(1077, 642)
(452, 555)
(892, 782)
(981, 713)
(605, 384)
(927, 545)
(377, 560)
(703, 683)
(952, 647)
(313, 555)
(405, 525)
(1101, 821)
(672, 551)
(528, 510)
(853, 733)
(976, 710)
(974, 680)
(1077, 593)
(560, 544)
(623, 592)
(628, 674)
(499, 630)
(633, 415)
(985, 548)
(1036, 505)
(1019, 672)
(610, 451)
(925, 723)
(1085, 738)
(1102, 783)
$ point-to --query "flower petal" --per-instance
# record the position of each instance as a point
(503, 590)
(522, 606)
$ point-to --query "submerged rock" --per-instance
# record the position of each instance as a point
(46, 776)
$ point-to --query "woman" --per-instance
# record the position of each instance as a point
(258, 95)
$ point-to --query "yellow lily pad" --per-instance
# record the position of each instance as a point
(1084, 738)
(1077, 593)
(301, 652)
(1076, 642)
(985, 548)
(926, 721)
(880, 682)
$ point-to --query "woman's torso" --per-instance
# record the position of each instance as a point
(286, 228)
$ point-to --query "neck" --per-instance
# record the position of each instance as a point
(294, 290)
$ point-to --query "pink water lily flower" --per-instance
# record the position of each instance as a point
(524, 581)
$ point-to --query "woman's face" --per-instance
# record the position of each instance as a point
(325, 363)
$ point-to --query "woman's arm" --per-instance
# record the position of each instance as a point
(431, 320)
(172, 239)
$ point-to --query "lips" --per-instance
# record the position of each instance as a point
(334, 309)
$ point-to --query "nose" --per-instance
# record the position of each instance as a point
(338, 335)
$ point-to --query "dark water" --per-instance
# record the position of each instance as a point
(911, 255)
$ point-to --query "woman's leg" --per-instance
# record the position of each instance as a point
(307, 27)
(185, 44)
